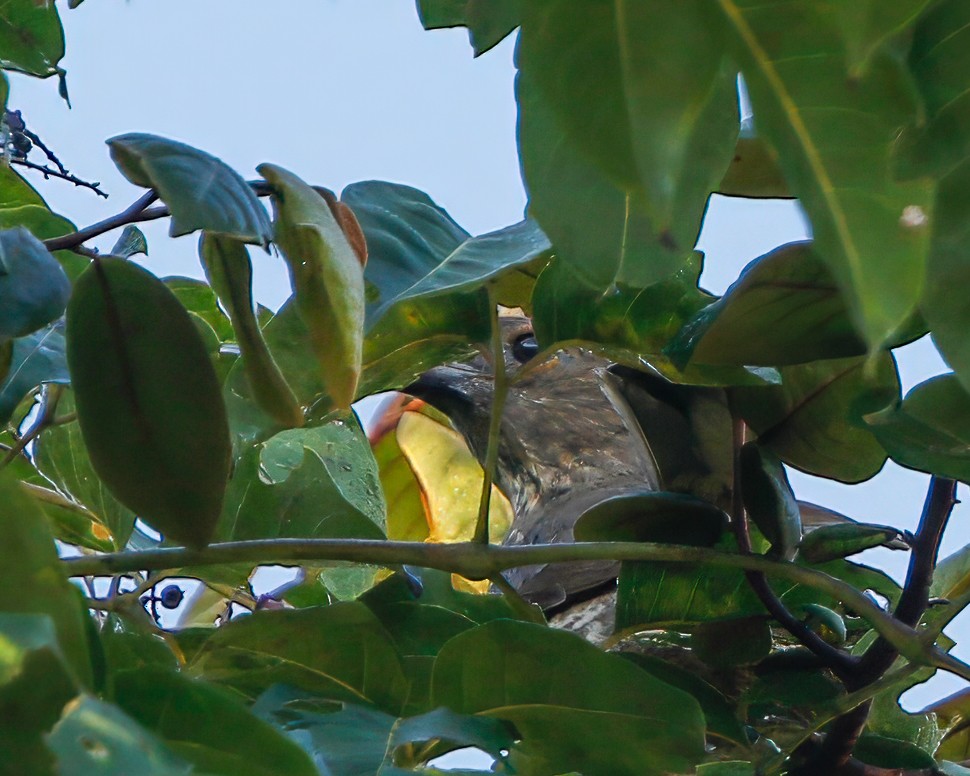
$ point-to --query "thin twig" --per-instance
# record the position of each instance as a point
(500, 390)
(45, 419)
(838, 661)
(519, 605)
(132, 213)
(49, 172)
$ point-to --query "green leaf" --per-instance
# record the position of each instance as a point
(938, 145)
(327, 280)
(297, 647)
(785, 308)
(665, 140)
(318, 482)
(835, 137)
(475, 262)
(193, 717)
(351, 741)
(634, 323)
(769, 499)
(95, 738)
(673, 518)
(201, 192)
(488, 21)
(33, 287)
(572, 705)
(37, 358)
(130, 243)
(839, 541)
(35, 684)
(600, 231)
(813, 420)
(408, 236)
(454, 731)
(32, 579)
(230, 272)
(62, 457)
(31, 38)
(930, 430)
(885, 752)
(825, 623)
(148, 400)
(718, 713)
(866, 24)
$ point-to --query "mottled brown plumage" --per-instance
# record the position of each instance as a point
(575, 431)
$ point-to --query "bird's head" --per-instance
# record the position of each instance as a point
(575, 431)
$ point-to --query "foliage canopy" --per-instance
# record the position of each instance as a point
(747, 641)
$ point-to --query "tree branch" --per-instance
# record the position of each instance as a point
(940, 500)
(841, 663)
(478, 561)
(834, 755)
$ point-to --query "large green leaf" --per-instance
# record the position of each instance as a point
(574, 706)
(35, 359)
(865, 24)
(35, 684)
(785, 308)
(674, 518)
(488, 21)
(230, 271)
(31, 37)
(476, 261)
(201, 192)
(835, 136)
(327, 280)
(631, 325)
(930, 430)
(599, 230)
(95, 738)
(148, 400)
(813, 420)
(941, 66)
(33, 287)
(62, 457)
(408, 236)
(300, 648)
(644, 91)
(31, 579)
(192, 718)
(318, 482)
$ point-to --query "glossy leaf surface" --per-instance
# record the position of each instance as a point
(201, 191)
(835, 136)
(35, 359)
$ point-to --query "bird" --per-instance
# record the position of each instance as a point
(576, 430)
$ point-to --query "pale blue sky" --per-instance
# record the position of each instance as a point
(346, 90)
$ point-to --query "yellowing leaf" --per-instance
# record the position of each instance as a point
(451, 480)
(327, 280)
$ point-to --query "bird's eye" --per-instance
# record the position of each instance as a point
(525, 348)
